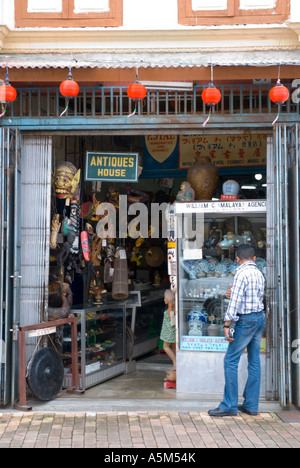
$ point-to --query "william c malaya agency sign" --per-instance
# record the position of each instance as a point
(117, 167)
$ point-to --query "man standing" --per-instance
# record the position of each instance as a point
(246, 310)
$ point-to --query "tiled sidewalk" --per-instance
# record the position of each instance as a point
(151, 429)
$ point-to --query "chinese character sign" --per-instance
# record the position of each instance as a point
(224, 150)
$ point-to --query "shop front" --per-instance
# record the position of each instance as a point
(94, 197)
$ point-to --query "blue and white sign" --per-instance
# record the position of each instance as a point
(204, 343)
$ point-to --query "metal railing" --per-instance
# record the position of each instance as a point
(93, 102)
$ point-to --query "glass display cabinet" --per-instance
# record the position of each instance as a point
(144, 313)
(207, 236)
(101, 343)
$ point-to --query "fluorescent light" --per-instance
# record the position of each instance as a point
(248, 187)
(258, 176)
(170, 85)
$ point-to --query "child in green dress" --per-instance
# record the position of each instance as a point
(168, 331)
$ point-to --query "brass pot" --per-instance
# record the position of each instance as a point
(203, 177)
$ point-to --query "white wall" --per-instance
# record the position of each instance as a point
(295, 11)
(35, 6)
(139, 14)
(7, 13)
(256, 4)
(154, 14)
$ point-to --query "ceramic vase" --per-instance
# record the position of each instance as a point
(226, 243)
(197, 322)
(203, 177)
(230, 187)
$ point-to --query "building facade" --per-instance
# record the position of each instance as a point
(175, 48)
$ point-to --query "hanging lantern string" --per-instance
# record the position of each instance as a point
(67, 92)
(3, 111)
(278, 115)
(133, 113)
(278, 82)
(207, 120)
(278, 78)
(4, 106)
(136, 79)
(67, 100)
(9, 94)
(67, 107)
(211, 80)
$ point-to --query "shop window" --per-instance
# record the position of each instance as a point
(68, 13)
(210, 12)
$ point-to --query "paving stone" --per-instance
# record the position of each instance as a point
(146, 430)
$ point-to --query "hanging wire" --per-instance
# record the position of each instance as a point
(136, 79)
(207, 120)
(4, 105)
(277, 117)
(278, 77)
(67, 100)
(211, 81)
(133, 113)
(67, 107)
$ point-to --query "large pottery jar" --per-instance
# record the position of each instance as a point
(203, 177)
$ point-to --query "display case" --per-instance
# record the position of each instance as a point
(207, 236)
(144, 312)
(101, 343)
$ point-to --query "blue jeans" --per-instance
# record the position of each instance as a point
(248, 333)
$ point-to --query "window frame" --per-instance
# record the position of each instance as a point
(233, 15)
(67, 17)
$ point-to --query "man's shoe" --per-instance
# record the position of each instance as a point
(218, 412)
(242, 409)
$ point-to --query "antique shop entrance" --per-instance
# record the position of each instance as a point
(42, 146)
(38, 151)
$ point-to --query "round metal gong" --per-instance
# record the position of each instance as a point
(45, 373)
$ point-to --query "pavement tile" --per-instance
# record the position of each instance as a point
(145, 430)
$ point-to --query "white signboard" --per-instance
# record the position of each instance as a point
(42, 332)
(192, 254)
(222, 206)
(204, 343)
(90, 368)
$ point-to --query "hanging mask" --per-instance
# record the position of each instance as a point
(66, 181)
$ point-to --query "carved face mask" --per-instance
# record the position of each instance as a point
(66, 180)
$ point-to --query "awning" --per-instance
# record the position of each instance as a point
(153, 59)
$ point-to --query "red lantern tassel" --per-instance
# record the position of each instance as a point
(134, 112)
(3, 113)
(67, 107)
(206, 121)
(274, 122)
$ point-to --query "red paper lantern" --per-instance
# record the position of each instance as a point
(279, 94)
(7, 92)
(69, 88)
(211, 95)
(136, 91)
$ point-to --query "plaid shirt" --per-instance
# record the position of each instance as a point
(247, 292)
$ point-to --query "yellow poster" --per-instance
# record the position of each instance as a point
(160, 147)
(224, 150)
